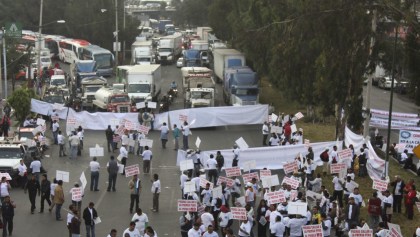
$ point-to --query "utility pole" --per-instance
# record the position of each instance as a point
(116, 34)
(370, 78)
(1, 83)
(39, 68)
(123, 52)
(4, 63)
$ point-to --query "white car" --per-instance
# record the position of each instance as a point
(385, 83)
(46, 61)
(58, 81)
(180, 62)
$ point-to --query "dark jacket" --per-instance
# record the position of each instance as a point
(394, 186)
(32, 186)
(45, 187)
(7, 210)
(75, 225)
(109, 134)
(113, 167)
(354, 218)
(88, 217)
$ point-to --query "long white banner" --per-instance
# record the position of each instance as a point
(395, 115)
(266, 157)
(407, 124)
(410, 138)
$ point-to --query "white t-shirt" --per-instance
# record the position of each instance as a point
(194, 233)
(274, 141)
(277, 229)
(246, 227)
(134, 233)
(358, 199)
(156, 184)
(55, 127)
(327, 224)
(141, 223)
(94, 166)
(186, 130)
(213, 234)
(35, 166)
(337, 185)
(22, 169)
(211, 164)
(250, 195)
(123, 152)
(273, 215)
(224, 218)
(206, 196)
(4, 189)
(164, 129)
(182, 179)
(60, 139)
(295, 226)
(404, 156)
(207, 219)
(53, 185)
(147, 154)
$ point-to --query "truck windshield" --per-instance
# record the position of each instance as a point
(58, 82)
(11, 153)
(165, 50)
(92, 88)
(103, 61)
(119, 99)
(247, 91)
(201, 95)
(138, 88)
(86, 67)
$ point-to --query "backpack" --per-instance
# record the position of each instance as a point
(324, 156)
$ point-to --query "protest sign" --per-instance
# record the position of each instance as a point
(265, 173)
(337, 167)
(276, 197)
(83, 180)
(293, 195)
(293, 128)
(274, 117)
(217, 192)
(312, 230)
(297, 208)
(204, 181)
(132, 170)
(186, 165)
(380, 185)
(248, 177)
(249, 165)
(140, 105)
(276, 129)
(116, 138)
(396, 227)
(146, 142)
(96, 151)
(299, 115)
(269, 181)
(62, 175)
(198, 142)
(7, 175)
(40, 121)
(238, 213)
(129, 125)
(393, 232)
(187, 205)
(240, 202)
(234, 171)
(241, 143)
(346, 153)
(183, 117)
(290, 167)
(76, 194)
(189, 187)
(360, 233)
(151, 105)
(292, 182)
(222, 179)
(143, 129)
(120, 167)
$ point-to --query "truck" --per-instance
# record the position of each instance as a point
(169, 48)
(199, 87)
(162, 24)
(142, 52)
(240, 86)
(82, 69)
(191, 58)
(89, 86)
(226, 58)
(203, 32)
(169, 29)
(202, 46)
(142, 82)
(110, 100)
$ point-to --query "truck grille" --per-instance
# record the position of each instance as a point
(90, 98)
(122, 109)
(164, 57)
(6, 170)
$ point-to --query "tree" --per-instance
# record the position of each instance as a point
(20, 100)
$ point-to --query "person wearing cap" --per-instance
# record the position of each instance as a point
(76, 197)
(250, 195)
(225, 218)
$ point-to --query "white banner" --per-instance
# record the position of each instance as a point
(272, 157)
(410, 138)
(395, 115)
(395, 123)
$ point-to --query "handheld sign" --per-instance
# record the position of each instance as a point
(151, 105)
(140, 105)
(187, 205)
(337, 167)
(186, 165)
(76, 194)
(227, 181)
(249, 165)
(83, 180)
(146, 142)
(241, 143)
(248, 177)
(143, 129)
(40, 121)
(276, 197)
(234, 171)
(132, 170)
(380, 185)
(269, 181)
(312, 230)
(198, 142)
(290, 167)
(204, 181)
(265, 173)
(217, 192)
(96, 151)
(189, 187)
(292, 182)
(238, 213)
(298, 208)
(62, 175)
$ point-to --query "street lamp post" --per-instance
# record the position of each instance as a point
(116, 34)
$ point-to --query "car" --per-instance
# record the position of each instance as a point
(385, 83)
(54, 98)
(180, 62)
(58, 81)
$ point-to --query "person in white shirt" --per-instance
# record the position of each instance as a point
(4, 188)
(277, 229)
(185, 133)
(124, 156)
(265, 132)
(338, 190)
(404, 157)
(182, 179)
(149, 231)
(211, 166)
(207, 218)
(147, 158)
(53, 185)
(210, 232)
(195, 231)
(316, 183)
(295, 225)
(141, 220)
(156, 188)
(23, 171)
(55, 129)
(94, 174)
(274, 140)
(272, 214)
(236, 151)
(164, 131)
(245, 228)
(80, 134)
(326, 225)
(250, 195)
(225, 218)
(60, 140)
(132, 231)
(36, 168)
(358, 199)
(206, 195)
(235, 190)
(387, 206)
(113, 233)
(140, 136)
(76, 199)
(70, 216)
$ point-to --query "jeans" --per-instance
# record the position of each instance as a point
(90, 230)
(7, 225)
(45, 196)
(94, 178)
(74, 149)
(164, 141)
(185, 142)
(32, 199)
(212, 175)
(112, 179)
(110, 145)
(61, 152)
(397, 203)
(58, 211)
(55, 137)
(134, 198)
(156, 201)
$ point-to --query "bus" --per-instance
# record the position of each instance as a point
(103, 57)
(69, 49)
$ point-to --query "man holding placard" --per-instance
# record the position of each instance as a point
(185, 133)
(164, 131)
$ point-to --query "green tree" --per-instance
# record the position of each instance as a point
(20, 100)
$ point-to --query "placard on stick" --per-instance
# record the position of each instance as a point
(312, 230)
(337, 167)
(346, 153)
(132, 170)
(297, 208)
(248, 177)
(186, 165)
(265, 173)
(222, 179)
(96, 151)
(62, 175)
(76, 194)
(249, 165)
(198, 142)
(189, 187)
(187, 205)
(276, 197)
(380, 185)
(233, 171)
(146, 142)
(290, 167)
(269, 181)
(238, 213)
(292, 182)
(83, 180)
(241, 143)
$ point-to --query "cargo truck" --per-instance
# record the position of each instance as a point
(203, 32)
(226, 58)
(199, 87)
(142, 82)
(169, 48)
(110, 100)
(89, 87)
(142, 53)
(240, 86)
(202, 46)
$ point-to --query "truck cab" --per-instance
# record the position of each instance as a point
(240, 86)
(82, 69)
(89, 86)
(200, 97)
(10, 155)
(111, 100)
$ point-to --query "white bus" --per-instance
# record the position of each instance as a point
(103, 57)
(69, 49)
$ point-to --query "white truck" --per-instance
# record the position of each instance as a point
(142, 52)
(169, 48)
(142, 82)
(199, 87)
(203, 32)
(90, 85)
(226, 58)
(110, 100)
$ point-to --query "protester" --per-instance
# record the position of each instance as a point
(141, 220)
(410, 202)
(156, 188)
(220, 162)
(75, 224)
(55, 129)
(45, 192)
(147, 158)
(374, 210)
(61, 143)
(33, 188)
(176, 133)
(7, 213)
(74, 145)
(112, 168)
(109, 134)
(135, 189)
(185, 133)
(94, 174)
(89, 216)
(5, 188)
(164, 131)
(123, 156)
(211, 166)
(76, 199)
(265, 133)
(131, 230)
(23, 172)
(58, 199)
(398, 186)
